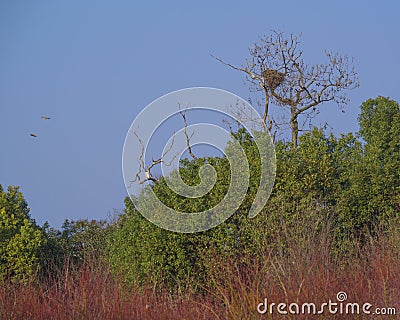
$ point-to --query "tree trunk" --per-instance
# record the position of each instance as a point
(295, 131)
(265, 115)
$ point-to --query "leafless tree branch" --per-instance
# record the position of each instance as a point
(187, 137)
(146, 169)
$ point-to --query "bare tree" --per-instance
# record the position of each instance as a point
(146, 169)
(276, 68)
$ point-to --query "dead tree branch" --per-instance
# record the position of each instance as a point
(187, 137)
(146, 169)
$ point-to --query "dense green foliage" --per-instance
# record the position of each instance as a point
(28, 250)
(20, 237)
(346, 185)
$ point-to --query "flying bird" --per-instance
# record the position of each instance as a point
(45, 118)
(34, 135)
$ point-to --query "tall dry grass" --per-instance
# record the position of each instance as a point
(303, 273)
(309, 277)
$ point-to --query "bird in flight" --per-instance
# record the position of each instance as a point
(45, 118)
(34, 135)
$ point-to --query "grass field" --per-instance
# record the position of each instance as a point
(234, 291)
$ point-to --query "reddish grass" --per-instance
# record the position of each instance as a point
(234, 290)
(91, 293)
(375, 280)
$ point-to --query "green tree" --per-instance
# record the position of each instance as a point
(374, 176)
(143, 251)
(76, 243)
(20, 238)
(83, 239)
(303, 198)
(380, 128)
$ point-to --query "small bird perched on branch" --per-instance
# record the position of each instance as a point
(33, 135)
(45, 118)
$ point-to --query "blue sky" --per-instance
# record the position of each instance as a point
(93, 65)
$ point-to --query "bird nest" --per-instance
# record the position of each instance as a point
(273, 78)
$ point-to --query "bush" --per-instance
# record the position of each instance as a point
(20, 238)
